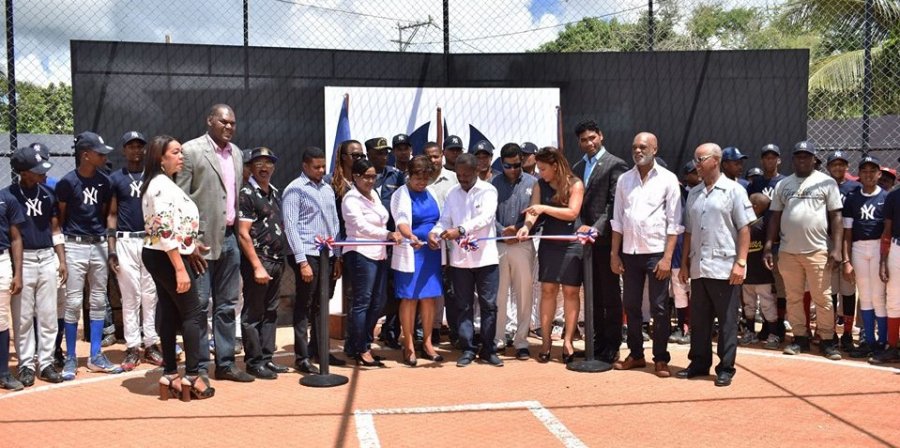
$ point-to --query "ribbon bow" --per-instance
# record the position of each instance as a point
(322, 242)
(468, 244)
(587, 237)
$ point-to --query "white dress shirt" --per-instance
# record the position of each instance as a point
(646, 212)
(475, 211)
(365, 219)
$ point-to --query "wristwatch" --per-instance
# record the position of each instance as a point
(461, 230)
(741, 262)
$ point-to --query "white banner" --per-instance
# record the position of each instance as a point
(502, 115)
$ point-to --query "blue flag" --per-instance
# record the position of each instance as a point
(476, 136)
(418, 139)
(341, 135)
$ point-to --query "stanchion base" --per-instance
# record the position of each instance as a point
(589, 366)
(329, 380)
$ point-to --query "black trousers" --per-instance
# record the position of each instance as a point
(176, 310)
(638, 269)
(607, 306)
(711, 298)
(260, 313)
(306, 305)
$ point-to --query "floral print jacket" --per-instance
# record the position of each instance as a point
(171, 219)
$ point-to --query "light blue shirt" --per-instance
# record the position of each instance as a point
(310, 210)
(590, 163)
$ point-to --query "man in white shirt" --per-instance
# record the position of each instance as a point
(646, 224)
(469, 211)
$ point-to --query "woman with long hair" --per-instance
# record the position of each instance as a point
(555, 206)
(417, 268)
(367, 267)
(172, 223)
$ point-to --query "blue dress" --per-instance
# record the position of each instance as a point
(425, 281)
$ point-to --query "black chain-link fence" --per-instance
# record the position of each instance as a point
(854, 45)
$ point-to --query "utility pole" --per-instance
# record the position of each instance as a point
(404, 44)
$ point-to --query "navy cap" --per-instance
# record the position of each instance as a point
(732, 153)
(28, 159)
(771, 147)
(529, 148)
(132, 135)
(482, 146)
(453, 142)
(754, 172)
(805, 146)
(689, 167)
(870, 159)
(41, 148)
(400, 139)
(837, 155)
(92, 141)
(262, 151)
(377, 143)
(246, 154)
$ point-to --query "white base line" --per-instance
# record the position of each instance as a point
(368, 436)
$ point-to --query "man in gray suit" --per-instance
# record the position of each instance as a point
(211, 177)
(600, 170)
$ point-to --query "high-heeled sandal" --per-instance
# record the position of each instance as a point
(189, 388)
(567, 357)
(544, 357)
(409, 358)
(435, 357)
(169, 386)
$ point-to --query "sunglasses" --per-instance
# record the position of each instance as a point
(356, 155)
(699, 160)
(511, 166)
(262, 163)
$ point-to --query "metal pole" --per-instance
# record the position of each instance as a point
(867, 75)
(589, 364)
(651, 26)
(446, 42)
(11, 78)
(246, 23)
(324, 378)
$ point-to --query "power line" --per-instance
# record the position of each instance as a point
(344, 11)
(531, 30)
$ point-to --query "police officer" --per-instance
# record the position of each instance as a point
(43, 267)
(124, 253)
(84, 194)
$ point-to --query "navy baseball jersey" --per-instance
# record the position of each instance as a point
(757, 273)
(892, 211)
(85, 199)
(10, 214)
(127, 191)
(39, 204)
(866, 213)
(764, 186)
(849, 186)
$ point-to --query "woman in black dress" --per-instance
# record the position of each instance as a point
(555, 206)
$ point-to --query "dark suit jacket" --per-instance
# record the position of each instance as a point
(599, 193)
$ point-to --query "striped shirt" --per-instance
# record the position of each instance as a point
(310, 210)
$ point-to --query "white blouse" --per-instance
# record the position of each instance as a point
(171, 219)
(365, 219)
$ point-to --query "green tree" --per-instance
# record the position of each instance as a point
(40, 110)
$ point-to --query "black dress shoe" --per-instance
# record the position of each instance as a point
(262, 372)
(50, 375)
(306, 366)
(233, 374)
(26, 377)
(687, 374)
(492, 359)
(723, 379)
(277, 368)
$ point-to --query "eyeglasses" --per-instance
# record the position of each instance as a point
(356, 155)
(368, 177)
(699, 160)
(262, 163)
(511, 166)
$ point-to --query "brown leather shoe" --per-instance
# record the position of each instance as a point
(630, 363)
(662, 369)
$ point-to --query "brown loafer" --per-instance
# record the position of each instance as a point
(662, 369)
(630, 363)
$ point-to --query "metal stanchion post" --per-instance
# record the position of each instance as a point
(589, 364)
(324, 378)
